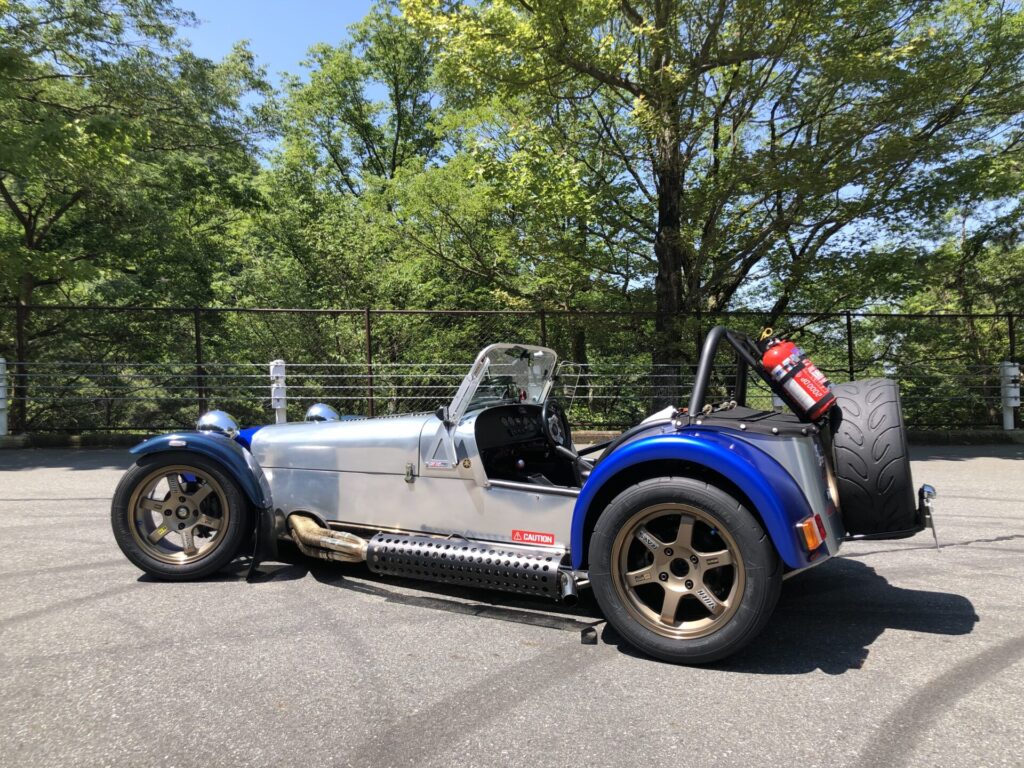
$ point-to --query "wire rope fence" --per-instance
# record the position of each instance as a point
(81, 369)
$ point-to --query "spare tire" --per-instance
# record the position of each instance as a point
(872, 460)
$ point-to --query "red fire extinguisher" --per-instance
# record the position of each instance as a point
(807, 386)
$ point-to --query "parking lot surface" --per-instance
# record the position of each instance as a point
(892, 654)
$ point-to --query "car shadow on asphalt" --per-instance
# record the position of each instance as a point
(827, 617)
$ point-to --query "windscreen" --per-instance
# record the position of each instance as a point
(506, 373)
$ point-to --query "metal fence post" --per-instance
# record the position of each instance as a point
(368, 324)
(197, 331)
(543, 327)
(3, 397)
(278, 392)
(19, 386)
(1009, 380)
(849, 345)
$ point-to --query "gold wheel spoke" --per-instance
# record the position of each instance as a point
(640, 576)
(669, 606)
(649, 540)
(200, 495)
(684, 537)
(158, 533)
(708, 599)
(208, 522)
(715, 559)
(188, 544)
(152, 505)
(173, 483)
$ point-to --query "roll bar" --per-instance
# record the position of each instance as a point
(748, 357)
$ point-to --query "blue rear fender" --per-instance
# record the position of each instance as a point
(775, 495)
(235, 459)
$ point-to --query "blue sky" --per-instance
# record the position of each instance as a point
(279, 33)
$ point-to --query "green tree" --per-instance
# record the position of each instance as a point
(759, 141)
(123, 155)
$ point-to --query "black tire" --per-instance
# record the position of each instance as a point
(224, 507)
(758, 574)
(872, 458)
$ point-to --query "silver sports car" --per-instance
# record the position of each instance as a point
(683, 525)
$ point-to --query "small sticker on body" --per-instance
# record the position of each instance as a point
(438, 464)
(533, 537)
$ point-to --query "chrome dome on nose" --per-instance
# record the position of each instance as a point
(321, 412)
(218, 421)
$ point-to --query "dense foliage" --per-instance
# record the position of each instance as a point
(679, 157)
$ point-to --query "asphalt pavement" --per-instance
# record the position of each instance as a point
(891, 654)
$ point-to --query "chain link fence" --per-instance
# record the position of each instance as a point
(75, 369)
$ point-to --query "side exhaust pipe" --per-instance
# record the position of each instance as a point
(567, 590)
(314, 540)
(459, 561)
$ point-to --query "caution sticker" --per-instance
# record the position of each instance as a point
(533, 537)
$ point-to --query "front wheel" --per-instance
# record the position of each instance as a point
(179, 516)
(683, 571)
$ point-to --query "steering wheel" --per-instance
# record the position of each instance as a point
(556, 426)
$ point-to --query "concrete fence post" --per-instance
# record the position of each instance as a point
(3, 397)
(278, 392)
(1009, 380)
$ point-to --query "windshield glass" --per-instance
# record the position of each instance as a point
(506, 373)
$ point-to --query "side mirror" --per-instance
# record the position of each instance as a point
(443, 415)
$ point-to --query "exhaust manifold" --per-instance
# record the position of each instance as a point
(314, 540)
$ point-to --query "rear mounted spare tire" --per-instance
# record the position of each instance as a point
(872, 460)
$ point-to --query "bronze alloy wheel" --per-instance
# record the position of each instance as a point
(677, 571)
(178, 514)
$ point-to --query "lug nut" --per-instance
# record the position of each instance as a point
(689, 584)
(181, 526)
(663, 576)
(693, 559)
(181, 498)
(668, 551)
(167, 512)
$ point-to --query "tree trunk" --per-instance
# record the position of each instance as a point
(581, 386)
(667, 357)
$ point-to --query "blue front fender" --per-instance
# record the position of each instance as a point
(771, 489)
(238, 462)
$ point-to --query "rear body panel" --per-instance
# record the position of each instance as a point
(770, 472)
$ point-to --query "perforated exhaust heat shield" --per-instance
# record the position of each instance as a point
(473, 564)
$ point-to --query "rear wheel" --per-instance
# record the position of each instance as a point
(683, 571)
(179, 516)
(872, 459)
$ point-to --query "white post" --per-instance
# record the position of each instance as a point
(1009, 378)
(278, 392)
(3, 397)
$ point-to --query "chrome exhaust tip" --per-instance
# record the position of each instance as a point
(567, 591)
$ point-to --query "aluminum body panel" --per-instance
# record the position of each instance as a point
(382, 445)
(451, 451)
(804, 459)
(429, 504)
(774, 492)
